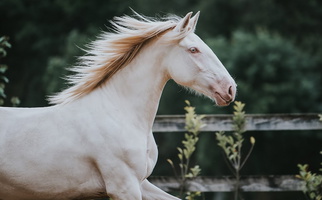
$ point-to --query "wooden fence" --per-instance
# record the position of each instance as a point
(258, 122)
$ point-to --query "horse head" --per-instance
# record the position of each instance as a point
(193, 64)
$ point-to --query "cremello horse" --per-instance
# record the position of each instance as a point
(97, 140)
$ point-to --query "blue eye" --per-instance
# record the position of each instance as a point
(193, 50)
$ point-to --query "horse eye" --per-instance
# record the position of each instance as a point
(193, 50)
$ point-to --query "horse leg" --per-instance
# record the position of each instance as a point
(151, 192)
(127, 190)
(122, 185)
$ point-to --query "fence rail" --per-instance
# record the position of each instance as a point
(254, 122)
(270, 183)
(257, 122)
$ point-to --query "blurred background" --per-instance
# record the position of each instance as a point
(272, 48)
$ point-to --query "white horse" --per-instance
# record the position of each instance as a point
(97, 140)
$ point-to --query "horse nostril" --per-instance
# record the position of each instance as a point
(230, 91)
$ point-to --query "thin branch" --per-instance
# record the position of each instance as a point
(246, 158)
(229, 164)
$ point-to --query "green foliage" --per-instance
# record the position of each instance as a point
(193, 124)
(57, 65)
(192, 195)
(4, 43)
(232, 144)
(312, 182)
(272, 73)
(3, 68)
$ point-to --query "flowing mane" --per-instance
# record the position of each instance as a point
(114, 50)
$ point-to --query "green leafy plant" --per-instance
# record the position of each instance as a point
(4, 43)
(193, 124)
(232, 145)
(312, 182)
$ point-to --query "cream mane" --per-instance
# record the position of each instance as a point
(113, 51)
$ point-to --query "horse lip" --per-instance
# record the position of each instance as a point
(223, 102)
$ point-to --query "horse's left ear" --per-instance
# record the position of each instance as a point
(194, 20)
(182, 25)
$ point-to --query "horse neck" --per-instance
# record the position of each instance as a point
(134, 92)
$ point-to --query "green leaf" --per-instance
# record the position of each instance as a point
(2, 94)
(3, 52)
(7, 44)
(180, 156)
(15, 101)
(5, 79)
(187, 102)
(181, 166)
(3, 68)
(320, 116)
(230, 140)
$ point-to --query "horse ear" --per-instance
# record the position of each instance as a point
(183, 23)
(194, 20)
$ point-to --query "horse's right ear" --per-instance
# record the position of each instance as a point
(194, 20)
(182, 25)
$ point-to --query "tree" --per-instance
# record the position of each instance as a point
(4, 43)
(273, 75)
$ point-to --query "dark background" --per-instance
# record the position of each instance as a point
(272, 48)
